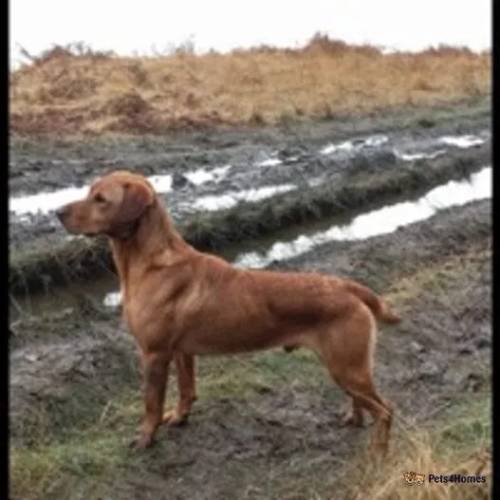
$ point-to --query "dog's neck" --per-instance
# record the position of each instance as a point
(153, 234)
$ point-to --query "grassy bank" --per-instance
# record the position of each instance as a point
(278, 411)
(43, 265)
(72, 90)
(458, 442)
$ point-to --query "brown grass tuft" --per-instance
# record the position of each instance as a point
(75, 90)
(417, 453)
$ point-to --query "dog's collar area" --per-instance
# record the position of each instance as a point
(125, 231)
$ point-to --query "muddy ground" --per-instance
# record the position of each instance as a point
(51, 163)
(267, 425)
(323, 184)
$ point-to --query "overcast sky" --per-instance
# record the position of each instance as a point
(140, 26)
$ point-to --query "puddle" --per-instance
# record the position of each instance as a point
(459, 141)
(418, 156)
(201, 175)
(270, 162)
(49, 201)
(378, 222)
(59, 297)
(46, 202)
(462, 141)
(371, 141)
(112, 299)
(231, 199)
(375, 141)
(332, 148)
(161, 183)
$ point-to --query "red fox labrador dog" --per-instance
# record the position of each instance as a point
(179, 303)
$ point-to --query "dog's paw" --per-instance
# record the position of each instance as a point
(141, 442)
(351, 421)
(378, 449)
(351, 418)
(174, 418)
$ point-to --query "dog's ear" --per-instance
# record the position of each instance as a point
(136, 198)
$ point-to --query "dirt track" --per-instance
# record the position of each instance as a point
(321, 184)
(50, 163)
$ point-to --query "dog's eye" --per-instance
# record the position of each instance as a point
(99, 198)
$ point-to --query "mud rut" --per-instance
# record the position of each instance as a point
(269, 157)
(274, 437)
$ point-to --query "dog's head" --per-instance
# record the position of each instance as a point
(113, 206)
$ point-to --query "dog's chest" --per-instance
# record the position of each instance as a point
(148, 319)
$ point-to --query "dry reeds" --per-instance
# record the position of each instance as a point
(68, 90)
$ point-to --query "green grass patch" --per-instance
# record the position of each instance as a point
(466, 426)
(245, 375)
(437, 277)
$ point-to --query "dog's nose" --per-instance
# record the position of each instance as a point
(61, 212)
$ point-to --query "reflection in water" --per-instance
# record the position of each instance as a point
(357, 144)
(462, 141)
(46, 202)
(381, 221)
(232, 198)
(200, 176)
(49, 201)
(270, 162)
(112, 299)
(419, 156)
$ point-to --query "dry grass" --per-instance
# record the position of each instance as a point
(72, 91)
(387, 482)
(459, 445)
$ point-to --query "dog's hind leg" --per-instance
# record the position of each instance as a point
(361, 388)
(346, 348)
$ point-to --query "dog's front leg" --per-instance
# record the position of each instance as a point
(155, 373)
(187, 392)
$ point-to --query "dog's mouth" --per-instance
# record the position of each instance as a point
(77, 231)
(123, 231)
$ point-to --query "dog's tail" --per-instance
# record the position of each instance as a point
(377, 305)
